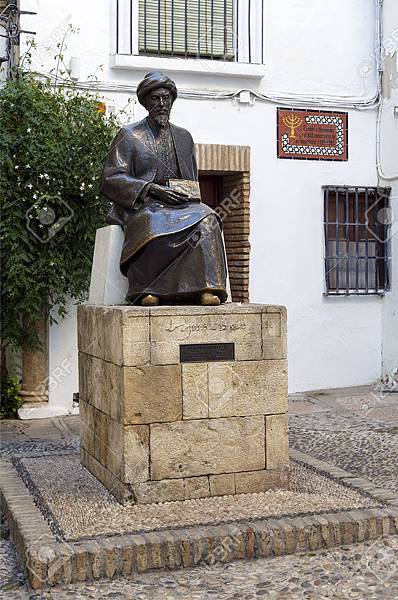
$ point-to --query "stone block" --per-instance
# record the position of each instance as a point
(195, 395)
(276, 441)
(114, 456)
(135, 337)
(222, 485)
(152, 394)
(87, 433)
(119, 335)
(247, 388)
(159, 491)
(168, 332)
(100, 436)
(274, 333)
(136, 453)
(196, 487)
(82, 365)
(207, 446)
(261, 481)
(103, 384)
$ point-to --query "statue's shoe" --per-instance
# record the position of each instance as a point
(150, 300)
(209, 299)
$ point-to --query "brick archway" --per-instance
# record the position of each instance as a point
(232, 163)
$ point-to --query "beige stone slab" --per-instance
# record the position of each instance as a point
(169, 332)
(207, 446)
(103, 383)
(195, 396)
(152, 394)
(82, 367)
(160, 491)
(247, 351)
(87, 432)
(274, 332)
(247, 388)
(116, 335)
(223, 309)
(196, 487)
(277, 441)
(114, 455)
(100, 436)
(261, 481)
(98, 331)
(84, 330)
(136, 453)
(222, 485)
(113, 347)
(136, 347)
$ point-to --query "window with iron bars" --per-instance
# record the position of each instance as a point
(357, 229)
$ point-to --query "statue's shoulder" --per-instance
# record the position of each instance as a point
(181, 133)
(134, 127)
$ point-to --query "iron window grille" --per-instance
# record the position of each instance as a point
(357, 248)
(224, 30)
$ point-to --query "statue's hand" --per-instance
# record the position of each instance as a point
(167, 195)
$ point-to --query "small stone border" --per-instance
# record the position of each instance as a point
(50, 562)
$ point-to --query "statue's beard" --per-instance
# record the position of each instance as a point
(161, 119)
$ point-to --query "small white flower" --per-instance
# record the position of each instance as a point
(16, 167)
(28, 130)
(90, 185)
(41, 175)
(34, 196)
(46, 176)
(27, 166)
(30, 186)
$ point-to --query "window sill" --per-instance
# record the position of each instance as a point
(354, 294)
(187, 65)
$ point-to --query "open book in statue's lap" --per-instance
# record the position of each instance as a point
(173, 249)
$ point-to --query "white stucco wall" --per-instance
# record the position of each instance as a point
(388, 169)
(312, 48)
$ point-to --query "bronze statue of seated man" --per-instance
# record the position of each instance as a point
(173, 251)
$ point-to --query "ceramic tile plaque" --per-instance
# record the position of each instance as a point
(312, 134)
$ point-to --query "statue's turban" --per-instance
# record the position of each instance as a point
(152, 81)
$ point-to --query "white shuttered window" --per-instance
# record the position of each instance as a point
(197, 28)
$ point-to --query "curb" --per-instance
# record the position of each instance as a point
(50, 561)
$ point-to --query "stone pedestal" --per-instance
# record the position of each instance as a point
(183, 402)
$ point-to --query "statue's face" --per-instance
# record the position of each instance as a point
(158, 104)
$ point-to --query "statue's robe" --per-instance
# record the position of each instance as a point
(173, 252)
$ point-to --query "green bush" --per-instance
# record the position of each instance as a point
(52, 148)
(10, 398)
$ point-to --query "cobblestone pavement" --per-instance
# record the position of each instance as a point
(354, 429)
